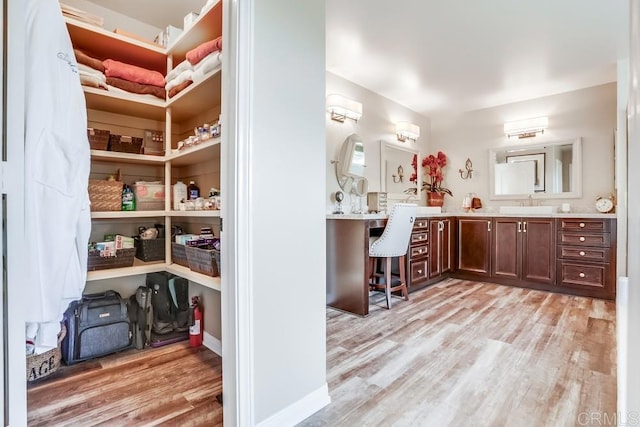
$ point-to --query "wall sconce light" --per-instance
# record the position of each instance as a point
(469, 169)
(407, 131)
(342, 108)
(526, 128)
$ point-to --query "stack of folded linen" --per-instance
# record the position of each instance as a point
(91, 70)
(200, 61)
(133, 79)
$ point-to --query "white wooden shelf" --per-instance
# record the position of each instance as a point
(205, 150)
(206, 27)
(197, 97)
(102, 44)
(116, 157)
(139, 267)
(124, 103)
(201, 279)
(202, 213)
(127, 214)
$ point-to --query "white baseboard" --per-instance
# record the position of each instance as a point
(212, 343)
(300, 410)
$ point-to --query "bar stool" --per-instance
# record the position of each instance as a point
(393, 243)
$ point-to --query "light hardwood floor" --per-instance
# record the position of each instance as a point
(458, 353)
(173, 385)
(464, 353)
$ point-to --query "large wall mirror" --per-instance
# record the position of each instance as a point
(542, 171)
(397, 170)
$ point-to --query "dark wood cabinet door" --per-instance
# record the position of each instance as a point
(474, 246)
(505, 260)
(434, 248)
(446, 230)
(538, 250)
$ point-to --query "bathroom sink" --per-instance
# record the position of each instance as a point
(428, 210)
(526, 210)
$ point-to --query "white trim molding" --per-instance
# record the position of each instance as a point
(300, 410)
(212, 343)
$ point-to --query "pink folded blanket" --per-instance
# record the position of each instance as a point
(132, 73)
(197, 54)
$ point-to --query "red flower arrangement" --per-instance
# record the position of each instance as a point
(434, 166)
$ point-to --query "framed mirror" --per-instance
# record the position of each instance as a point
(397, 169)
(350, 165)
(542, 171)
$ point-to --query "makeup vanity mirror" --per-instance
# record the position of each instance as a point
(542, 171)
(396, 170)
(350, 166)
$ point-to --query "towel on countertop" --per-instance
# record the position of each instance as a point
(138, 88)
(208, 64)
(83, 58)
(183, 66)
(132, 73)
(182, 77)
(176, 90)
(200, 52)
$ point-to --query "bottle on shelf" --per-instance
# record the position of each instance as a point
(128, 199)
(214, 198)
(179, 194)
(193, 191)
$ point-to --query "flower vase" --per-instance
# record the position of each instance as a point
(435, 199)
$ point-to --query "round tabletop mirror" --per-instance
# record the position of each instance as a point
(351, 163)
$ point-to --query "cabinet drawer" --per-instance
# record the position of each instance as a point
(578, 275)
(419, 237)
(419, 270)
(420, 224)
(598, 225)
(580, 253)
(585, 239)
(416, 252)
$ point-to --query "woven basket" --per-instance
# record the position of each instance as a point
(45, 364)
(105, 195)
(123, 258)
(179, 254)
(150, 249)
(125, 144)
(98, 138)
(203, 261)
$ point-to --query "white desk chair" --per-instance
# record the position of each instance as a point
(393, 243)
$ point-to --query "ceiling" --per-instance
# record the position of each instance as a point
(444, 56)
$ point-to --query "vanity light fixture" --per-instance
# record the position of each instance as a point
(526, 128)
(342, 108)
(407, 131)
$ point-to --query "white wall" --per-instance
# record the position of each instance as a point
(377, 123)
(286, 238)
(588, 113)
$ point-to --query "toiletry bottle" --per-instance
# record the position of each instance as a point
(128, 199)
(179, 194)
(193, 191)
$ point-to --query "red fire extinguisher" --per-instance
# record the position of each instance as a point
(197, 323)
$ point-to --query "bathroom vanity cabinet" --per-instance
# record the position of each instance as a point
(440, 249)
(474, 246)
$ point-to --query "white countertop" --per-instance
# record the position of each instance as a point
(477, 214)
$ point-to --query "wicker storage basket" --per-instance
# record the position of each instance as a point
(179, 254)
(123, 258)
(98, 138)
(42, 365)
(125, 144)
(105, 195)
(150, 249)
(203, 261)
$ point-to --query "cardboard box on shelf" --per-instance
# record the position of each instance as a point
(125, 33)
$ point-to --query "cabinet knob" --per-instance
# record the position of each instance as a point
(419, 271)
(581, 275)
(582, 238)
(419, 251)
(582, 225)
(419, 237)
(582, 253)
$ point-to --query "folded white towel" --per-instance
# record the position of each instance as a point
(182, 77)
(92, 81)
(85, 69)
(47, 336)
(208, 64)
(183, 66)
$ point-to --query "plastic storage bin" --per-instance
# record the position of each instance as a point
(149, 196)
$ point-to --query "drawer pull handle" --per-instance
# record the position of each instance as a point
(582, 253)
(419, 237)
(582, 275)
(419, 271)
(420, 251)
(582, 225)
(582, 238)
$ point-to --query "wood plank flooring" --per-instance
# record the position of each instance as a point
(464, 353)
(170, 385)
